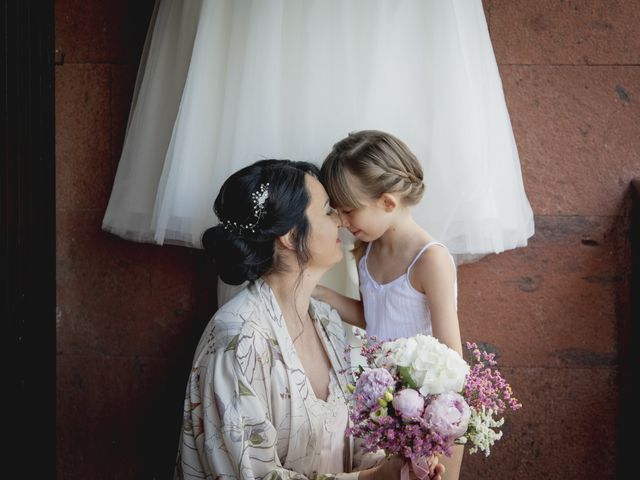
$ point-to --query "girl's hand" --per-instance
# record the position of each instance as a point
(317, 292)
(436, 469)
(426, 468)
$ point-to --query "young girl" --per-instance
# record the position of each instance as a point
(407, 279)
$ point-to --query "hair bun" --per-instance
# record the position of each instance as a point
(237, 258)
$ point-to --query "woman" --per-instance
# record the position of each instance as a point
(265, 398)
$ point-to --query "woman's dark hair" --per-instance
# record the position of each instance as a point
(247, 254)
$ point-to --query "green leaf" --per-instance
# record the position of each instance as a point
(405, 375)
(233, 344)
(244, 390)
(256, 438)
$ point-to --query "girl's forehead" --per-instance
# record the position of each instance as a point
(347, 193)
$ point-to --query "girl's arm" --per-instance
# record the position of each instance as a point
(435, 275)
(349, 309)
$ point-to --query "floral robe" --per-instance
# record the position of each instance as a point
(248, 410)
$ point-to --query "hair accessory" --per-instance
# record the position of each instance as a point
(259, 199)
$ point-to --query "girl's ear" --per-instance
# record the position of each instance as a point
(388, 202)
(287, 241)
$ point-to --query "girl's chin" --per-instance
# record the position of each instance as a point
(360, 235)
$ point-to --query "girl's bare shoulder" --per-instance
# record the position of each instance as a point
(434, 265)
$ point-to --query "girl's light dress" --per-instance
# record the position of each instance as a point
(396, 309)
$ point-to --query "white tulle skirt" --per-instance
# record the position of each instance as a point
(223, 83)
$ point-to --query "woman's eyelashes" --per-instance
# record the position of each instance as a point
(331, 211)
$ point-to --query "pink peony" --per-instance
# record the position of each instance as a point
(372, 385)
(408, 403)
(448, 414)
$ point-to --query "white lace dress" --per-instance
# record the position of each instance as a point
(332, 415)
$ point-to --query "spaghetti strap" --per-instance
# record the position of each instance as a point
(366, 253)
(422, 250)
(397, 309)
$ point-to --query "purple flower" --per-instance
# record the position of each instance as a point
(372, 385)
(485, 387)
(408, 403)
(446, 418)
(448, 414)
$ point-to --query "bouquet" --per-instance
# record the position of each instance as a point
(419, 398)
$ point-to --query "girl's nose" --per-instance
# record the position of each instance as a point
(338, 219)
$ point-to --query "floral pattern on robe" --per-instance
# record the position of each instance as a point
(248, 409)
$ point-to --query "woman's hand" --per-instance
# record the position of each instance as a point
(391, 468)
(388, 469)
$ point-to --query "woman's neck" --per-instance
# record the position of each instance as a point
(293, 289)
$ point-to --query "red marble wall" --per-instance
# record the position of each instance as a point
(129, 314)
(553, 310)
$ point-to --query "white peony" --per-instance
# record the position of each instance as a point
(425, 363)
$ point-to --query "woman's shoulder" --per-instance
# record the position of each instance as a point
(243, 303)
(243, 315)
(329, 319)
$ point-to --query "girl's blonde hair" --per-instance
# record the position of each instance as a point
(380, 162)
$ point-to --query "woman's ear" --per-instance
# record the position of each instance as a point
(388, 202)
(287, 241)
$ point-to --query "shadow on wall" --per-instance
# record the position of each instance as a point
(162, 407)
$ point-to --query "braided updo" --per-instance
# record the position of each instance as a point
(381, 162)
(247, 254)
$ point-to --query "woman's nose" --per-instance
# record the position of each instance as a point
(344, 221)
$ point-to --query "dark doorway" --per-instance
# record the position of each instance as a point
(28, 234)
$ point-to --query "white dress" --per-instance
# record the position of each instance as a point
(223, 83)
